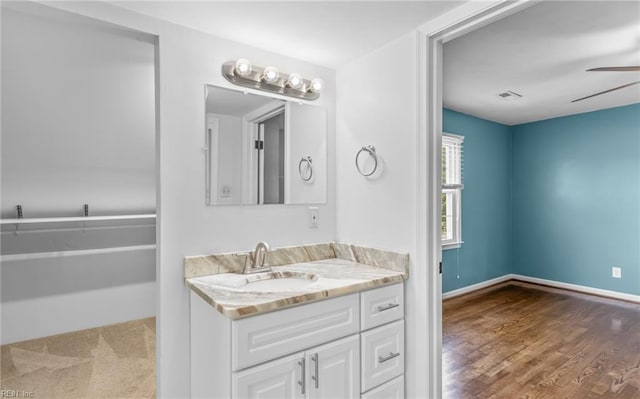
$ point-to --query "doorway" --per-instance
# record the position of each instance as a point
(566, 100)
(270, 152)
(431, 39)
(79, 200)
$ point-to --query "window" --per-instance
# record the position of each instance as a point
(451, 226)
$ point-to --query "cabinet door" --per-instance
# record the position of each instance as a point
(333, 370)
(279, 379)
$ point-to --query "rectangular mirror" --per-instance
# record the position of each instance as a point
(261, 150)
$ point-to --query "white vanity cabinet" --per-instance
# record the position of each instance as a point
(345, 347)
(326, 371)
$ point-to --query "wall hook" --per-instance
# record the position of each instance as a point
(86, 214)
(20, 216)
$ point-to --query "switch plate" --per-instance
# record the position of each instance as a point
(313, 217)
(616, 272)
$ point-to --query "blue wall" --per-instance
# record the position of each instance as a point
(557, 199)
(486, 202)
(576, 200)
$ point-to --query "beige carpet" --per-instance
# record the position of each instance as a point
(116, 361)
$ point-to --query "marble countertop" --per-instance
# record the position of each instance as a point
(335, 277)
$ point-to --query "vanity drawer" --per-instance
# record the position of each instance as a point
(380, 306)
(268, 336)
(382, 352)
(393, 389)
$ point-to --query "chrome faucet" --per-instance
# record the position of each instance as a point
(258, 263)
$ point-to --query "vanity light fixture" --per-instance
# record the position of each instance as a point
(242, 73)
(242, 67)
(270, 75)
(295, 81)
(316, 85)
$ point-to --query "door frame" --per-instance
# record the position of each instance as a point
(250, 133)
(431, 37)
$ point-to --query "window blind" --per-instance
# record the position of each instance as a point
(452, 161)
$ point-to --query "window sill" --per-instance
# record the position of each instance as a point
(452, 245)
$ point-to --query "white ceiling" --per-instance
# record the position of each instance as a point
(327, 33)
(542, 53)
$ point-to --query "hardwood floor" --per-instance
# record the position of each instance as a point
(519, 340)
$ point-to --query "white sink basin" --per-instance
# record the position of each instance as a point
(278, 284)
(269, 281)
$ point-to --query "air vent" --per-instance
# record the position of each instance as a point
(509, 95)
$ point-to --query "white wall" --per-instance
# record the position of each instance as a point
(377, 105)
(78, 127)
(188, 60)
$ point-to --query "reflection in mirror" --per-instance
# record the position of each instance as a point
(262, 150)
(270, 168)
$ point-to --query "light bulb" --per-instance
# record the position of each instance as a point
(316, 85)
(295, 81)
(243, 67)
(270, 74)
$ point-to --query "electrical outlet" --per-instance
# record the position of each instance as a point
(616, 272)
(313, 217)
(226, 191)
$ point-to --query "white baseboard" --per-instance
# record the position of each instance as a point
(575, 287)
(475, 287)
(541, 281)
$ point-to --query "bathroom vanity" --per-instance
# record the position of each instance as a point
(336, 333)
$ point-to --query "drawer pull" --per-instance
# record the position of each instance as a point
(302, 384)
(388, 306)
(314, 359)
(391, 355)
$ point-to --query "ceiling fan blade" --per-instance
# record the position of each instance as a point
(616, 69)
(607, 91)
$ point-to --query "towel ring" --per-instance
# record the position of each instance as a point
(372, 152)
(306, 161)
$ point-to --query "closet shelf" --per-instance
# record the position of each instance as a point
(76, 219)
